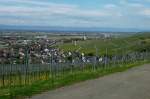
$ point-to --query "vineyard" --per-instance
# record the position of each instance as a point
(59, 74)
(102, 57)
(138, 42)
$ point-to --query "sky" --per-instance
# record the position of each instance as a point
(76, 13)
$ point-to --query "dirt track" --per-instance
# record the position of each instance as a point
(131, 84)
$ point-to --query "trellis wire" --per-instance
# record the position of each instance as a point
(26, 74)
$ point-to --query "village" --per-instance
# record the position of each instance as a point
(39, 50)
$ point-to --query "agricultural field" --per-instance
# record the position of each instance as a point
(60, 37)
(110, 46)
(39, 82)
(27, 79)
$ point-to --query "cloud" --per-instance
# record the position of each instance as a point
(44, 12)
(33, 3)
(110, 6)
(145, 12)
(53, 10)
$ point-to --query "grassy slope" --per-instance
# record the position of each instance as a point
(127, 44)
(116, 45)
(67, 79)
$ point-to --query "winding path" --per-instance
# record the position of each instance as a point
(131, 84)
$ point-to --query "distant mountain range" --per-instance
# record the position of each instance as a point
(66, 29)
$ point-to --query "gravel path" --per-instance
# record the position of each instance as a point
(131, 84)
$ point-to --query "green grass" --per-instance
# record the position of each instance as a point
(67, 79)
(114, 45)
